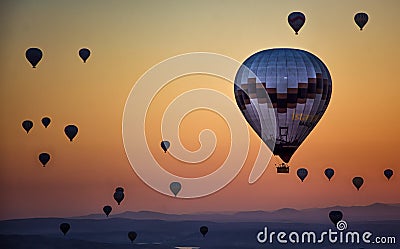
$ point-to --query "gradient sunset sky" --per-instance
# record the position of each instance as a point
(357, 136)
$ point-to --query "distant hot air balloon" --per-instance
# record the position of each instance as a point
(119, 189)
(44, 158)
(119, 196)
(358, 182)
(27, 125)
(388, 173)
(84, 53)
(204, 230)
(329, 173)
(71, 131)
(33, 55)
(175, 187)
(361, 19)
(64, 227)
(296, 21)
(302, 173)
(335, 216)
(132, 235)
(291, 92)
(107, 210)
(165, 145)
(46, 121)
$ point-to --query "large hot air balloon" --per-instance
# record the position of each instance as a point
(27, 125)
(299, 86)
(84, 53)
(119, 196)
(329, 173)
(175, 187)
(132, 235)
(71, 131)
(165, 145)
(388, 173)
(204, 230)
(358, 182)
(335, 216)
(64, 227)
(44, 158)
(296, 21)
(302, 173)
(46, 121)
(107, 210)
(33, 55)
(361, 19)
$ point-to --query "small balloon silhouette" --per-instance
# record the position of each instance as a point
(335, 216)
(27, 125)
(84, 53)
(204, 230)
(46, 121)
(119, 196)
(64, 227)
(175, 187)
(71, 131)
(329, 173)
(33, 55)
(296, 21)
(358, 182)
(361, 19)
(165, 145)
(302, 173)
(388, 173)
(107, 210)
(132, 235)
(44, 158)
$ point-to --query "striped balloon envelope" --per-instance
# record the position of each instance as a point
(295, 83)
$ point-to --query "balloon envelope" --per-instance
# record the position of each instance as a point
(388, 173)
(361, 19)
(294, 84)
(119, 196)
(46, 121)
(335, 216)
(27, 125)
(119, 189)
(71, 131)
(33, 55)
(329, 173)
(132, 235)
(358, 182)
(296, 21)
(204, 230)
(302, 173)
(64, 227)
(165, 145)
(84, 53)
(44, 158)
(107, 210)
(175, 187)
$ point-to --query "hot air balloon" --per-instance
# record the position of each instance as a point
(33, 55)
(84, 53)
(107, 210)
(361, 19)
(132, 235)
(44, 158)
(302, 173)
(296, 21)
(329, 173)
(64, 227)
(358, 182)
(27, 125)
(335, 216)
(119, 189)
(175, 187)
(119, 196)
(46, 121)
(204, 230)
(294, 85)
(388, 173)
(165, 145)
(71, 131)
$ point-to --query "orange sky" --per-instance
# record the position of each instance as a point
(358, 134)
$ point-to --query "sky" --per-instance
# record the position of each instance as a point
(357, 136)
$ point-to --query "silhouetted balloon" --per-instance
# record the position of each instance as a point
(46, 121)
(175, 187)
(361, 19)
(107, 210)
(302, 173)
(335, 216)
(296, 21)
(329, 173)
(119, 196)
(71, 131)
(358, 182)
(204, 230)
(33, 55)
(119, 189)
(132, 236)
(44, 158)
(84, 53)
(27, 125)
(165, 145)
(388, 173)
(64, 227)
